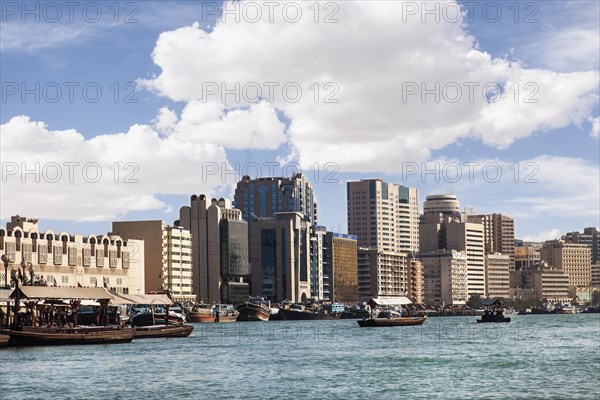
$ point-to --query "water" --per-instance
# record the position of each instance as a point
(538, 356)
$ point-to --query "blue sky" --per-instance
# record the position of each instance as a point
(370, 132)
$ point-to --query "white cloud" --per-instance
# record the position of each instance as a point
(548, 234)
(595, 131)
(148, 165)
(372, 55)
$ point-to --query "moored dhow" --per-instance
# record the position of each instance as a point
(37, 336)
(160, 331)
(254, 310)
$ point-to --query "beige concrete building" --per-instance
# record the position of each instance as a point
(445, 277)
(445, 204)
(497, 268)
(204, 219)
(499, 234)
(62, 259)
(280, 257)
(549, 284)
(439, 231)
(168, 255)
(382, 274)
(415, 281)
(340, 256)
(526, 257)
(383, 215)
(574, 259)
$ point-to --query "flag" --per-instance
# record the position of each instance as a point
(79, 284)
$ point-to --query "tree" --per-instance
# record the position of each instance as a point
(474, 301)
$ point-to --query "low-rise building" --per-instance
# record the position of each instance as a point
(549, 284)
(62, 259)
(382, 274)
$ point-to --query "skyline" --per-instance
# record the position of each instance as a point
(381, 126)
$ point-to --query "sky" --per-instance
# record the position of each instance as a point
(123, 110)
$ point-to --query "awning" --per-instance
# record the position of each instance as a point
(4, 295)
(490, 302)
(390, 301)
(161, 299)
(71, 293)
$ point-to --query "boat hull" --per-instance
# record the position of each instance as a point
(383, 322)
(4, 340)
(161, 331)
(69, 336)
(200, 317)
(253, 312)
(493, 320)
(294, 315)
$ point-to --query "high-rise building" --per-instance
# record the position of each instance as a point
(589, 237)
(444, 277)
(526, 257)
(168, 253)
(383, 215)
(541, 282)
(320, 269)
(497, 270)
(210, 249)
(415, 281)
(264, 197)
(340, 257)
(445, 204)
(573, 259)
(449, 231)
(280, 257)
(62, 259)
(382, 274)
(499, 234)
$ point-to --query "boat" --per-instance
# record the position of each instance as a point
(254, 310)
(148, 318)
(391, 318)
(201, 313)
(291, 314)
(34, 336)
(161, 331)
(226, 313)
(4, 340)
(493, 312)
(493, 318)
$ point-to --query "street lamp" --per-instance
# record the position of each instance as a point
(5, 260)
(24, 269)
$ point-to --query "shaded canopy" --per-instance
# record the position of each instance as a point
(390, 301)
(4, 295)
(71, 293)
(153, 299)
(491, 302)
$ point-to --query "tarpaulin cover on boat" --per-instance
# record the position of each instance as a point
(50, 292)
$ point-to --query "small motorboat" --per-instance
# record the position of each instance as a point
(493, 311)
(391, 318)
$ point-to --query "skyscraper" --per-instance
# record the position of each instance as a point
(263, 197)
(280, 257)
(340, 258)
(443, 227)
(204, 220)
(499, 234)
(383, 215)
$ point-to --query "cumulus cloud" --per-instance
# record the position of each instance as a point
(548, 234)
(63, 175)
(375, 67)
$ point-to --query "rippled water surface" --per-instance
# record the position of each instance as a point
(538, 356)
